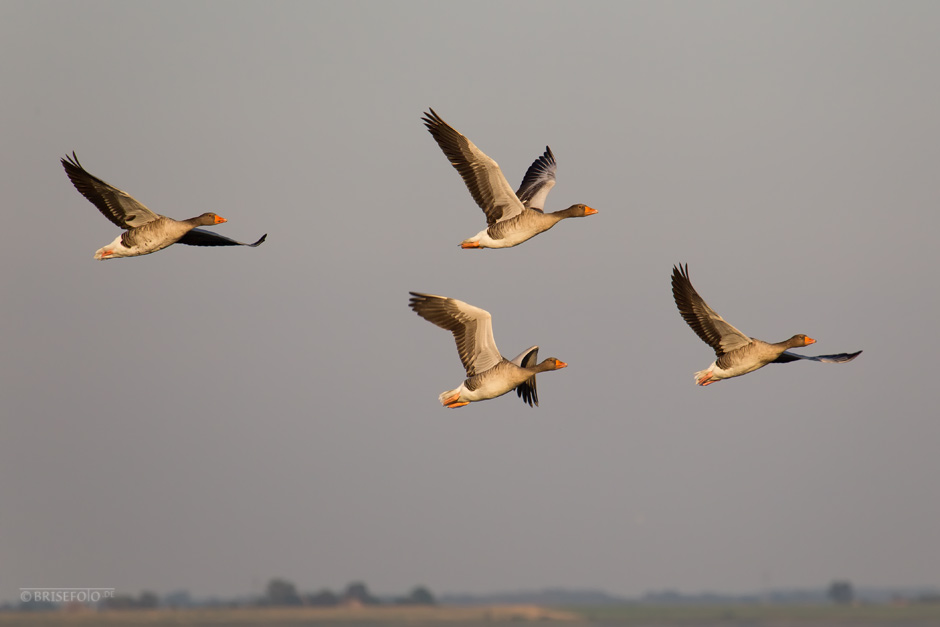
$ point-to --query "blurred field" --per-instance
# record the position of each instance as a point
(289, 617)
(629, 615)
(921, 615)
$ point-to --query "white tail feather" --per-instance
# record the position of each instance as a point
(447, 395)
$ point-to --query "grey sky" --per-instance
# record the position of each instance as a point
(210, 418)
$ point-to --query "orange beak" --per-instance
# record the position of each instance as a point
(809, 341)
(560, 364)
(220, 220)
(588, 211)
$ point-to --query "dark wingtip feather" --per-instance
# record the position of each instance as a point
(851, 356)
(432, 119)
(71, 160)
(417, 298)
(528, 394)
(680, 283)
(72, 164)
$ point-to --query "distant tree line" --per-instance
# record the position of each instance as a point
(841, 592)
(279, 592)
(282, 592)
(144, 600)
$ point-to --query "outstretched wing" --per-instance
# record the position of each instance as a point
(116, 205)
(539, 179)
(706, 323)
(481, 174)
(202, 237)
(839, 358)
(472, 328)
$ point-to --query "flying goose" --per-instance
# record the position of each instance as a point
(489, 374)
(736, 353)
(146, 232)
(510, 218)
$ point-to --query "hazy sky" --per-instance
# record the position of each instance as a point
(211, 418)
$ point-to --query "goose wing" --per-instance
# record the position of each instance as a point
(202, 237)
(116, 205)
(472, 328)
(482, 175)
(707, 324)
(839, 358)
(527, 390)
(539, 179)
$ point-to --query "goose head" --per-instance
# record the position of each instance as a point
(579, 211)
(799, 340)
(551, 363)
(208, 219)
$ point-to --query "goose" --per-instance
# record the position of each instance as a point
(145, 231)
(737, 354)
(510, 218)
(489, 374)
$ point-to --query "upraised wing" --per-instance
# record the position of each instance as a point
(705, 321)
(472, 328)
(539, 179)
(482, 175)
(116, 205)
